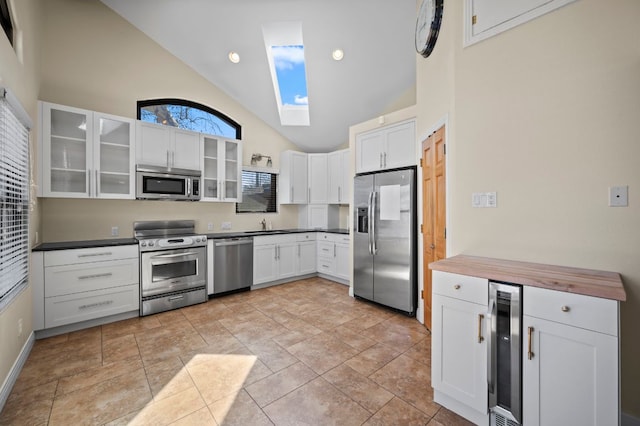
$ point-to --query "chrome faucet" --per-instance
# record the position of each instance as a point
(263, 222)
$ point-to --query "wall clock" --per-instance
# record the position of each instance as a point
(428, 26)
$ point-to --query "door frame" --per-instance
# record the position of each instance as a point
(444, 121)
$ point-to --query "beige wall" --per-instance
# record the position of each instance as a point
(21, 77)
(94, 59)
(546, 115)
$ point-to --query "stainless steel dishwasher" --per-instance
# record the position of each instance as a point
(232, 264)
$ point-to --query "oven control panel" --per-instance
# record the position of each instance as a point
(150, 244)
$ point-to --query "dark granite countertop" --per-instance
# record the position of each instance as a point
(235, 234)
(110, 242)
(65, 245)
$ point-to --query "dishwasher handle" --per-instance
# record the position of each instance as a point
(233, 242)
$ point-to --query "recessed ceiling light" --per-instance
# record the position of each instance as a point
(234, 57)
(337, 54)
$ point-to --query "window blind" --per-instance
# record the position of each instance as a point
(14, 199)
(258, 193)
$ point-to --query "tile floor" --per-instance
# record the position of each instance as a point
(302, 353)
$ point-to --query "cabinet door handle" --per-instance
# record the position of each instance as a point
(385, 159)
(309, 194)
(530, 353)
(168, 164)
(291, 191)
(334, 249)
(298, 249)
(105, 253)
(480, 336)
(97, 183)
(86, 277)
(275, 252)
(339, 195)
(380, 159)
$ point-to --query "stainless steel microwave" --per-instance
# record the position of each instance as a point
(161, 183)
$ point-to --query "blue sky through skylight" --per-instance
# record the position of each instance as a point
(290, 71)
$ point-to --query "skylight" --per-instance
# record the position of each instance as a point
(285, 52)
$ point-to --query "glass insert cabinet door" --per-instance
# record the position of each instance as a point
(66, 151)
(85, 154)
(221, 169)
(113, 157)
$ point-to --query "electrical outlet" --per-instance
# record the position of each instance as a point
(210, 226)
(20, 327)
(618, 196)
(114, 231)
(226, 226)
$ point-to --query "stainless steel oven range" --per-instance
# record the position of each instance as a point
(173, 265)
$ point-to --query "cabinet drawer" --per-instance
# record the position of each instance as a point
(463, 287)
(308, 236)
(69, 279)
(325, 265)
(87, 255)
(591, 313)
(326, 249)
(74, 308)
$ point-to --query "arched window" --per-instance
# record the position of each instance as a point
(188, 115)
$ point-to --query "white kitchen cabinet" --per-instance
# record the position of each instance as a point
(333, 256)
(221, 169)
(386, 147)
(307, 253)
(570, 359)
(167, 146)
(77, 285)
(318, 216)
(459, 348)
(338, 164)
(265, 267)
(342, 264)
(275, 257)
(570, 342)
(486, 18)
(85, 154)
(318, 179)
(293, 178)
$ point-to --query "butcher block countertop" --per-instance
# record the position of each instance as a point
(588, 282)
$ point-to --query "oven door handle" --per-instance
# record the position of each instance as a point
(168, 256)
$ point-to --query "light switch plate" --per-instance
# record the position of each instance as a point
(226, 226)
(618, 196)
(484, 199)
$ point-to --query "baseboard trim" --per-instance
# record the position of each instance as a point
(7, 386)
(629, 420)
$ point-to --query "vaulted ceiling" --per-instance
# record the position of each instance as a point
(376, 36)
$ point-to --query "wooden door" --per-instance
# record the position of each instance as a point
(433, 210)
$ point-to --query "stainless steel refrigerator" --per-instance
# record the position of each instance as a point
(385, 238)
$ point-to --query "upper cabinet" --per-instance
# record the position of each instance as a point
(486, 18)
(339, 176)
(292, 182)
(388, 147)
(167, 146)
(221, 169)
(318, 182)
(85, 154)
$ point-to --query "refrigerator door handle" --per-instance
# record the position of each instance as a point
(372, 223)
(369, 231)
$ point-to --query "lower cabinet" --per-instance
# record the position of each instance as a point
(77, 285)
(285, 256)
(570, 359)
(458, 344)
(276, 257)
(334, 255)
(570, 353)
